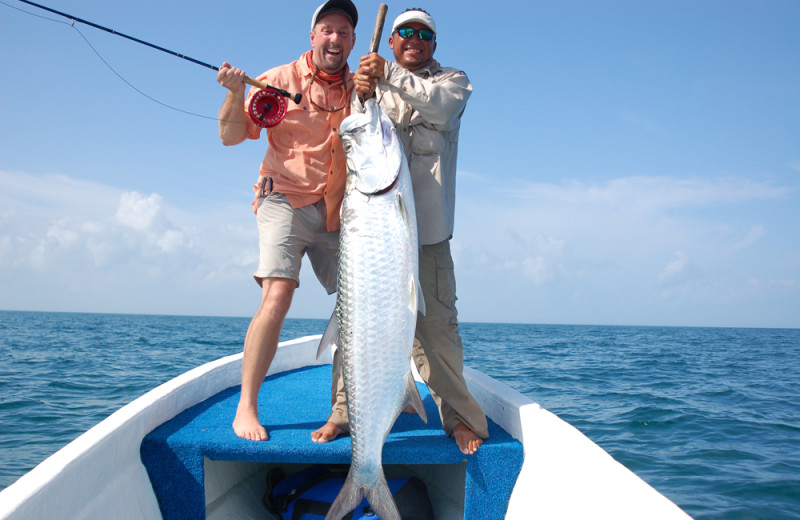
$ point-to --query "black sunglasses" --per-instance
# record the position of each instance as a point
(408, 33)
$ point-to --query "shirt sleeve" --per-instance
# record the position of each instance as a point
(440, 98)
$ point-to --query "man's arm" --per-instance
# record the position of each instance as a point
(439, 99)
(232, 117)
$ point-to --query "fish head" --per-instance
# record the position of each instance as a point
(373, 149)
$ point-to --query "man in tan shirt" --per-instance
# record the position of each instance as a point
(300, 186)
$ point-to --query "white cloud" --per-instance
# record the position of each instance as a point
(139, 229)
(647, 194)
(676, 266)
(755, 234)
(140, 212)
(631, 250)
(544, 262)
(102, 241)
(628, 250)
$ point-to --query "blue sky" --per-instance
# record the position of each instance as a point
(620, 162)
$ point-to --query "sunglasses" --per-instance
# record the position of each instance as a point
(407, 33)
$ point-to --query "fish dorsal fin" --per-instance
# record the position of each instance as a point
(330, 336)
(413, 399)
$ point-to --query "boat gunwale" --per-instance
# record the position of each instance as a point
(131, 423)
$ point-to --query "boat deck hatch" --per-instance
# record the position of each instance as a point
(292, 404)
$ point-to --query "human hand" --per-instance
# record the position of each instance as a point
(364, 85)
(231, 77)
(372, 64)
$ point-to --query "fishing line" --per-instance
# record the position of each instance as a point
(107, 64)
(151, 98)
(265, 103)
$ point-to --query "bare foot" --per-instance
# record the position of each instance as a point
(247, 426)
(327, 432)
(466, 439)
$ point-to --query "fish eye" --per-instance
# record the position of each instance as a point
(348, 146)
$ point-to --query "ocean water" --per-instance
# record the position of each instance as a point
(709, 416)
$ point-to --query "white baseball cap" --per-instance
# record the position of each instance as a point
(414, 15)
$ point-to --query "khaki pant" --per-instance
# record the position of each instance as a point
(438, 351)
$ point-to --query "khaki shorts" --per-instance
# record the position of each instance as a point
(285, 234)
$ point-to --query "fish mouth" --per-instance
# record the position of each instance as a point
(371, 150)
(359, 120)
(353, 122)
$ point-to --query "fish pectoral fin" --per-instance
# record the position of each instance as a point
(416, 303)
(402, 209)
(419, 295)
(330, 336)
(413, 399)
(381, 501)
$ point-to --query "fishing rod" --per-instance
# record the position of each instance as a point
(266, 108)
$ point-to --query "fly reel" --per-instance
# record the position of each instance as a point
(267, 107)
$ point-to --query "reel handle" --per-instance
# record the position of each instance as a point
(260, 84)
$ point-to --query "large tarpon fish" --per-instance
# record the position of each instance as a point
(377, 302)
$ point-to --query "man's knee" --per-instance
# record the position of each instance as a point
(276, 297)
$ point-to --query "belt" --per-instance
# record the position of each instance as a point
(264, 181)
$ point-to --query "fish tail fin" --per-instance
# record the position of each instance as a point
(381, 501)
(330, 336)
(413, 399)
(348, 499)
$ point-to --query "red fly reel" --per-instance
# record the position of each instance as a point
(267, 107)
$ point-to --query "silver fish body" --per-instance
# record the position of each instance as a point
(377, 302)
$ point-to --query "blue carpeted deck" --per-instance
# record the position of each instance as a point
(292, 405)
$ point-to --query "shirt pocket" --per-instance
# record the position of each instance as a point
(425, 141)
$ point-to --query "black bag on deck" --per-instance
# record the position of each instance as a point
(308, 494)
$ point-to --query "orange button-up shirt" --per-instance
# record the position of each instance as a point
(305, 158)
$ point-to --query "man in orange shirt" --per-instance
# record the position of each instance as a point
(300, 186)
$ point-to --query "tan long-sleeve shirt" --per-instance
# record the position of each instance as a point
(426, 106)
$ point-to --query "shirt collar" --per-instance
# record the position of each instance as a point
(308, 70)
(430, 69)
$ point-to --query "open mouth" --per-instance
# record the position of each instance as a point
(413, 50)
